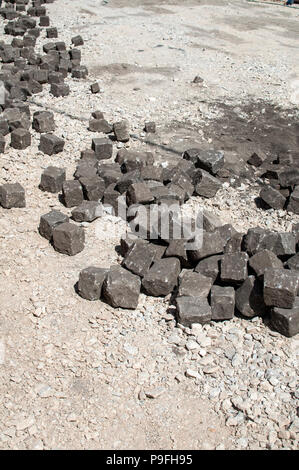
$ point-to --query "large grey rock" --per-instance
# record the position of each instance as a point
(121, 131)
(49, 221)
(280, 287)
(212, 244)
(193, 284)
(273, 197)
(162, 277)
(210, 267)
(234, 268)
(207, 185)
(72, 193)
(210, 160)
(285, 244)
(249, 298)
(140, 258)
(177, 249)
(121, 288)
(50, 144)
(139, 193)
(258, 239)
(222, 303)
(264, 259)
(52, 179)
(12, 195)
(286, 321)
(90, 283)
(68, 239)
(193, 310)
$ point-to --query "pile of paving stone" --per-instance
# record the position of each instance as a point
(24, 72)
(282, 174)
(229, 273)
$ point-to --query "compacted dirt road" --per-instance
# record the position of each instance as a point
(79, 374)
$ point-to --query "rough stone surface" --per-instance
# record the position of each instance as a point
(193, 310)
(52, 179)
(234, 267)
(286, 321)
(68, 239)
(88, 211)
(90, 282)
(12, 195)
(162, 277)
(280, 287)
(50, 144)
(264, 259)
(121, 288)
(193, 284)
(249, 298)
(222, 303)
(139, 258)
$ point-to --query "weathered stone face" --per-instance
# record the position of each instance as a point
(72, 193)
(140, 258)
(193, 310)
(264, 259)
(162, 277)
(50, 144)
(234, 268)
(121, 288)
(90, 282)
(12, 195)
(68, 239)
(249, 298)
(192, 284)
(286, 321)
(87, 211)
(222, 303)
(280, 288)
(52, 179)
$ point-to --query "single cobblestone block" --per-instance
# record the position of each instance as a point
(50, 144)
(52, 179)
(140, 258)
(280, 287)
(193, 284)
(234, 268)
(88, 211)
(95, 88)
(77, 41)
(249, 298)
(90, 283)
(93, 188)
(222, 303)
(52, 33)
(49, 221)
(121, 288)
(207, 185)
(12, 195)
(121, 131)
(210, 267)
(212, 244)
(286, 321)
(43, 122)
(80, 72)
(273, 198)
(20, 139)
(285, 244)
(193, 310)
(59, 89)
(210, 160)
(256, 159)
(258, 239)
(99, 125)
(72, 193)
(150, 127)
(103, 148)
(139, 193)
(44, 21)
(264, 259)
(162, 277)
(68, 239)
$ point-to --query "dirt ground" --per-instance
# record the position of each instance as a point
(78, 375)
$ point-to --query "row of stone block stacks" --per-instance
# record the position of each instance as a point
(229, 273)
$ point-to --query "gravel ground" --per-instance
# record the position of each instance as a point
(81, 375)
